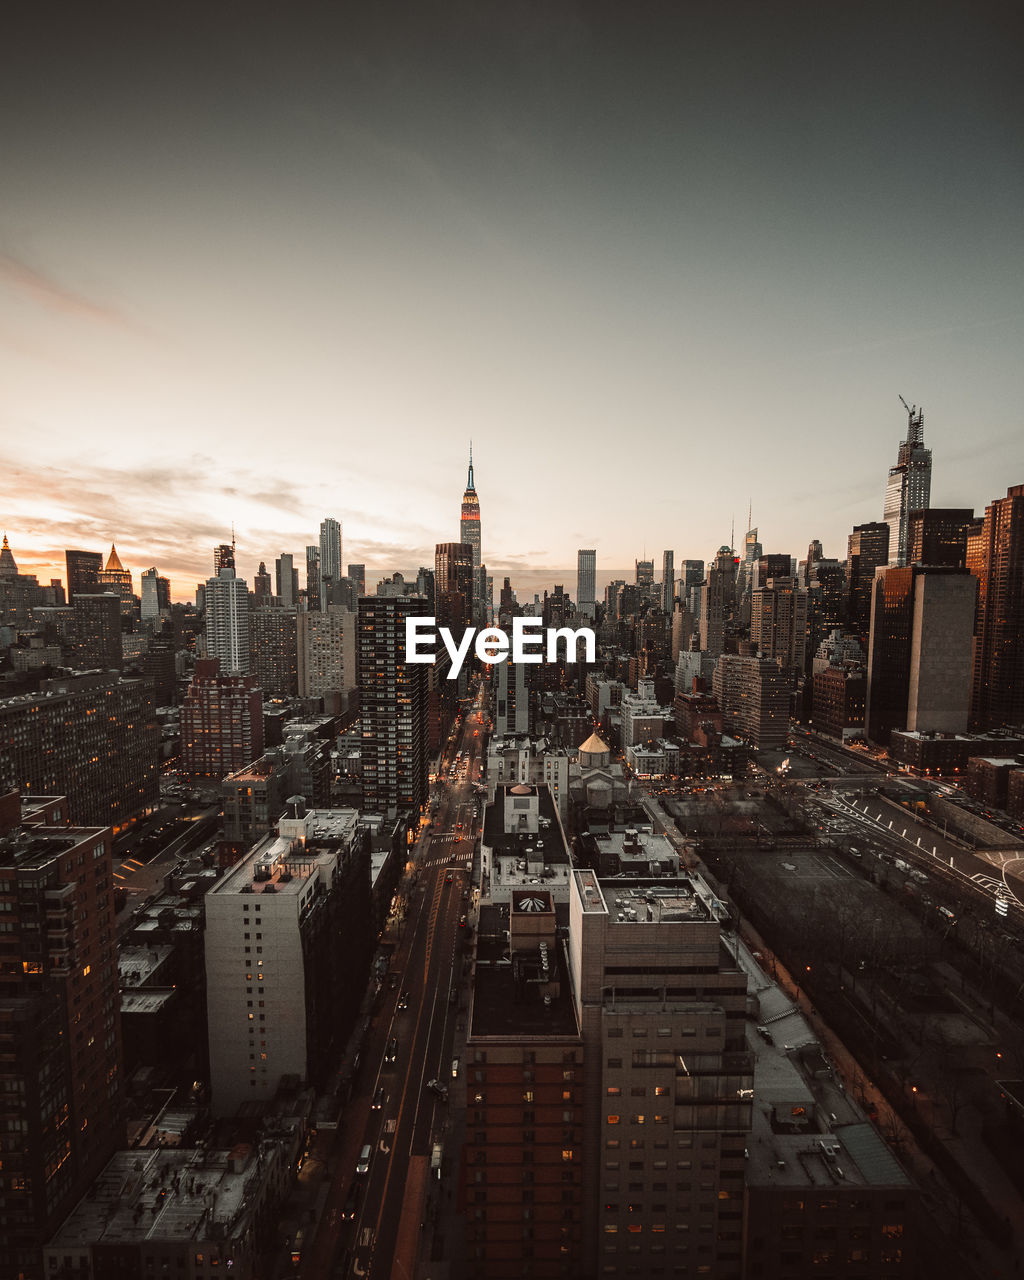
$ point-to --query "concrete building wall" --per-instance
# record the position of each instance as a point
(940, 653)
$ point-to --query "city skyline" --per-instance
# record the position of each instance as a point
(292, 269)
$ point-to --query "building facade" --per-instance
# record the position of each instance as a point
(393, 707)
(221, 722)
(227, 621)
(908, 487)
(92, 738)
(60, 1041)
(996, 559)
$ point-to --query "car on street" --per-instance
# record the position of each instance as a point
(378, 1098)
(435, 1086)
(391, 1054)
(351, 1206)
(403, 1000)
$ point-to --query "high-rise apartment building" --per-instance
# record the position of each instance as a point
(919, 650)
(97, 632)
(288, 942)
(867, 547)
(453, 584)
(61, 1102)
(778, 622)
(996, 559)
(668, 1078)
(327, 652)
(227, 622)
(586, 575)
(754, 695)
(668, 580)
(92, 738)
(393, 707)
(273, 651)
(909, 485)
(221, 722)
(83, 569)
(330, 558)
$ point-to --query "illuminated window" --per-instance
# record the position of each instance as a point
(611, 1119)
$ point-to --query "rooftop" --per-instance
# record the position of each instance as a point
(137, 965)
(163, 1194)
(681, 899)
(509, 1001)
(284, 863)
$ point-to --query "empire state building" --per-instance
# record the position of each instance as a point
(469, 531)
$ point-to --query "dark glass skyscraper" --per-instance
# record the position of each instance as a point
(83, 568)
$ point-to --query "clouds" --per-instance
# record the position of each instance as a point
(28, 283)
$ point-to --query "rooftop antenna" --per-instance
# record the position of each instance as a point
(732, 532)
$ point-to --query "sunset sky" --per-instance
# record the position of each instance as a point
(262, 264)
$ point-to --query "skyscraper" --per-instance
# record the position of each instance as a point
(909, 485)
(60, 1034)
(718, 596)
(938, 535)
(586, 573)
(453, 584)
(304, 891)
(97, 631)
(668, 585)
(326, 652)
(224, 556)
(778, 622)
(92, 738)
(996, 558)
(330, 558)
(286, 581)
(273, 651)
(262, 587)
(867, 547)
(919, 652)
(313, 577)
(221, 721)
(357, 572)
(156, 595)
(82, 571)
(227, 622)
(393, 701)
(469, 533)
(115, 577)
